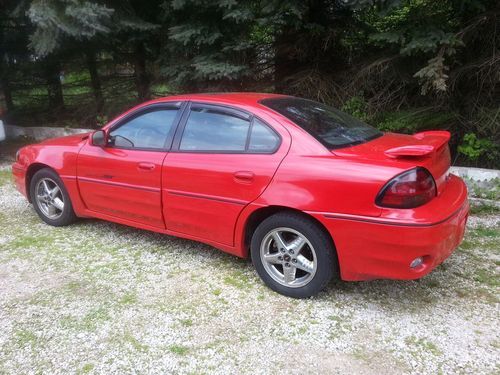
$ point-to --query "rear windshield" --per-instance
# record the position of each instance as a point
(331, 127)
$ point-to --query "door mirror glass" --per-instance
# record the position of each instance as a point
(99, 138)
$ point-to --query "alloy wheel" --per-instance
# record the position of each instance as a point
(288, 257)
(49, 198)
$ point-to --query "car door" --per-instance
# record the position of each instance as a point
(123, 178)
(221, 160)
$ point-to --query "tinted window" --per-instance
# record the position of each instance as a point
(328, 125)
(149, 130)
(262, 139)
(210, 130)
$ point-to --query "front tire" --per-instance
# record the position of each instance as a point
(293, 255)
(50, 198)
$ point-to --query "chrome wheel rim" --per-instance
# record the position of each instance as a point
(49, 198)
(288, 257)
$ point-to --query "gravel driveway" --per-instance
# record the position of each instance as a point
(103, 298)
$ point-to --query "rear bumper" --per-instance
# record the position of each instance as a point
(380, 248)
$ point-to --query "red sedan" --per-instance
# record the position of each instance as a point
(307, 191)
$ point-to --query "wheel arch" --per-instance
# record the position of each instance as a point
(262, 213)
(30, 172)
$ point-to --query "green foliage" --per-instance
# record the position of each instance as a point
(414, 120)
(357, 107)
(398, 123)
(209, 42)
(101, 120)
(427, 30)
(54, 19)
(473, 147)
(380, 60)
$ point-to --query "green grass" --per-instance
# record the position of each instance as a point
(485, 232)
(238, 279)
(187, 322)
(484, 209)
(5, 177)
(86, 368)
(129, 298)
(178, 349)
(135, 343)
(25, 337)
(424, 345)
(487, 277)
(93, 319)
(32, 241)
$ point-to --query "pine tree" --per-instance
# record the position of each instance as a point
(210, 43)
(121, 27)
(13, 47)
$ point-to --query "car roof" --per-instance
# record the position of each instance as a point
(241, 98)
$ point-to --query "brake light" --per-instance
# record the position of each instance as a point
(410, 189)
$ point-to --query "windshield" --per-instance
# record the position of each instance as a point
(333, 128)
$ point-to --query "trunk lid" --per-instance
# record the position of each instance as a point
(426, 149)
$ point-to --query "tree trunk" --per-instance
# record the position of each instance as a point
(284, 64)
(5, 89)
(142, 80)
(95, 80)
(7, 93)
(54, 86)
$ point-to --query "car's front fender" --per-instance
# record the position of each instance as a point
(59, 154)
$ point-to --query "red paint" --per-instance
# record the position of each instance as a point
(209, 197)
(115, 182)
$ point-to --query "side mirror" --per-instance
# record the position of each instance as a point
(99, 138)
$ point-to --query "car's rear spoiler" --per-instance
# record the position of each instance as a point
(426, 143)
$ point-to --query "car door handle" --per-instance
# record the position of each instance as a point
(145, 166)
(244, 176)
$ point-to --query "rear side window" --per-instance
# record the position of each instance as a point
(148, 130)
(331, 127)
(262, 139)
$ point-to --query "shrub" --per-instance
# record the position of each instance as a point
(473, 147)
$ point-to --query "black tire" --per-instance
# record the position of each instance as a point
(66, 216)
(326, 256)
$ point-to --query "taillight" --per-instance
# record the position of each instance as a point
(410, 189)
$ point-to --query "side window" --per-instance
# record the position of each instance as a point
(149, 130)
(262, 139)
(210, 130)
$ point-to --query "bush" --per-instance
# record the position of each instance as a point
(473, 148)
(357, 107)
(414, 120)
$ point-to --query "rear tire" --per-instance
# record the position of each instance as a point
(293, 255)
(51, 199)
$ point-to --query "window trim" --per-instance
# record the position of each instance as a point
(177, 105)
(224, 109)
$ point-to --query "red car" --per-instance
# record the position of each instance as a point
(307, 191)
